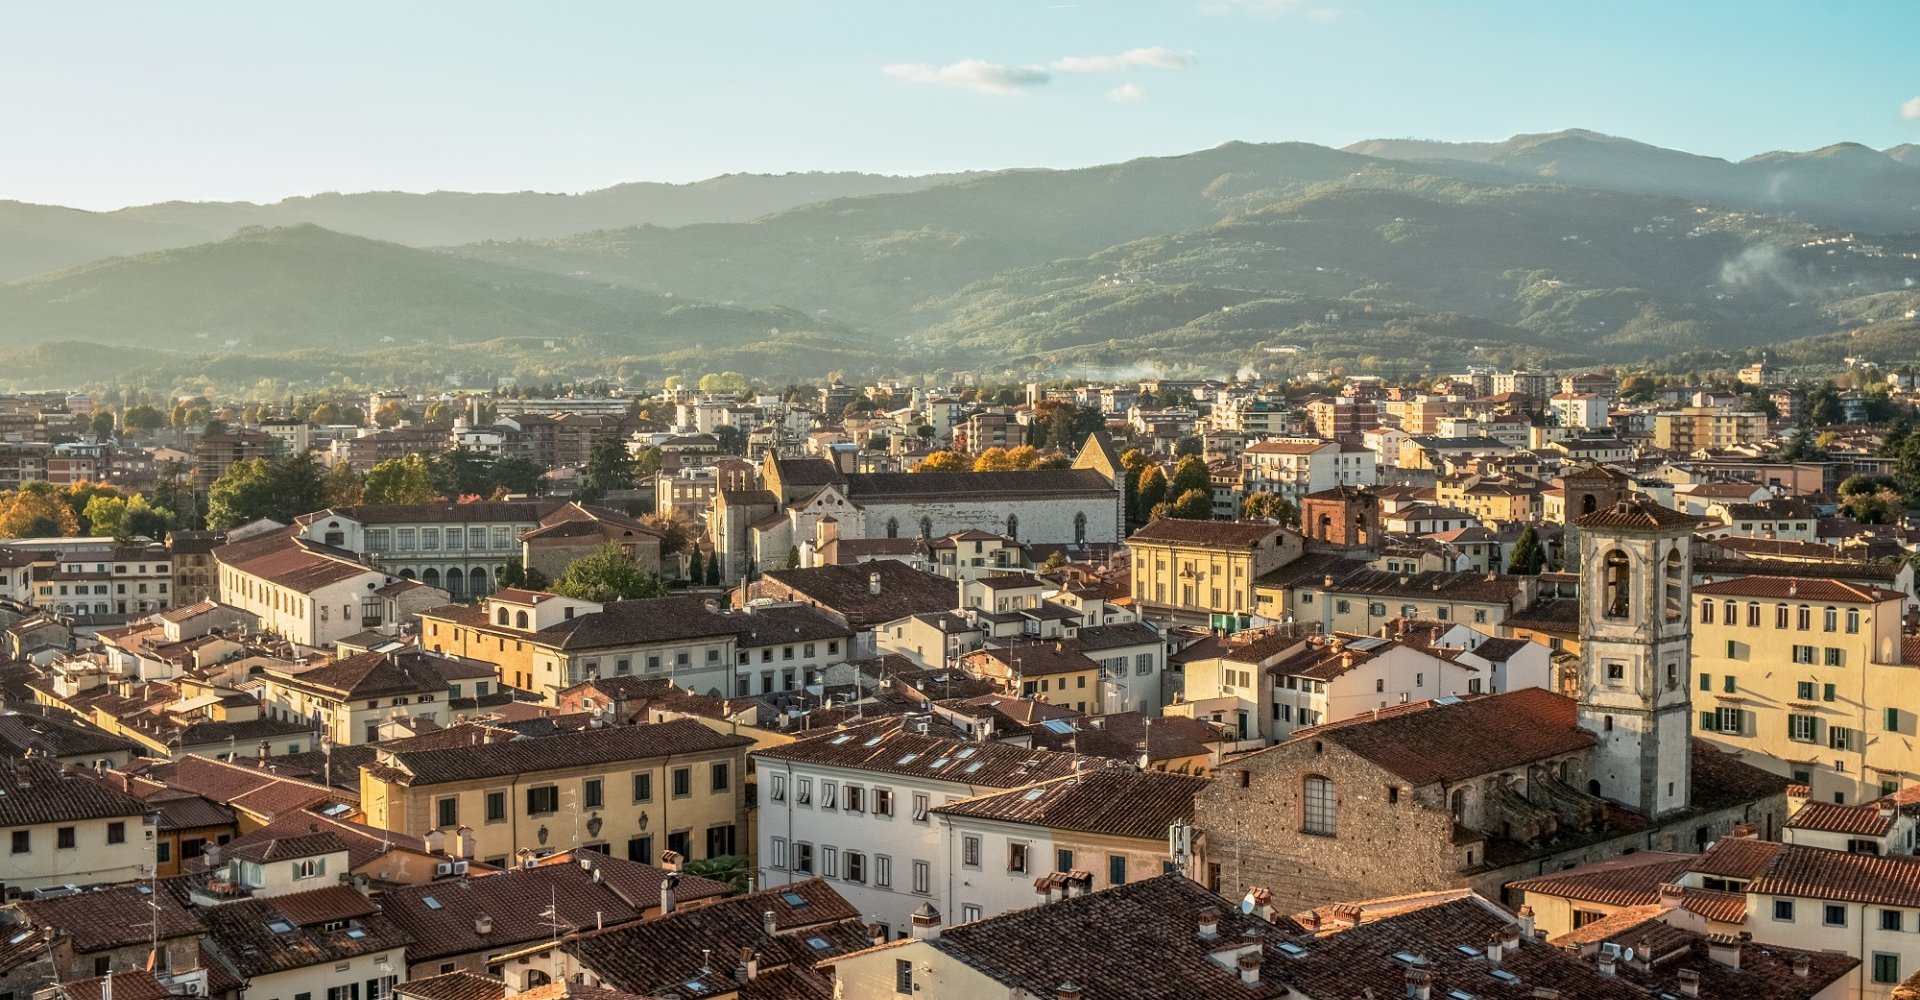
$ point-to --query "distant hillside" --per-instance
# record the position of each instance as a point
(1846, 185)
(268, 290)
(39, 238)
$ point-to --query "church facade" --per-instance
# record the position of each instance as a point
(1477, 792)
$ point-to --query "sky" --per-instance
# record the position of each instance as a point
(106, 104)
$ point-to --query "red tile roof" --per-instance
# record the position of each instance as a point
(1801, 589)
(1451, 742)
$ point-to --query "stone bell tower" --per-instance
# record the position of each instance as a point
(1636, 637)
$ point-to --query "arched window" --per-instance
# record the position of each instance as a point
(1013, 527)
(500, 616)
(476, 581)
(537, 978)
(1317, 807)
(1674, 586)
(893, 527)
(431, 577)
(1618, 585)
(1593, 787)
(1326, 526)
(926, 528)
(1359, 529)
(520, 619)
(1079, 528)
(305, 869)
(1588, 504)
(1459, 805)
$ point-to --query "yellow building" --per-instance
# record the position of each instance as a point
(1692, 428)
(1492, 501)
(1057, 673)
(635, 790)
(1808, 678)
(1204, 571)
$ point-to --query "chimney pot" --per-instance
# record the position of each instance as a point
(1250, 968)
(1803, 965)
(1210, 922)
(1067, 991)
(1689, 982)
(666, 892)
(768, 924)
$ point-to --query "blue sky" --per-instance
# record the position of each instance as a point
(109, 104)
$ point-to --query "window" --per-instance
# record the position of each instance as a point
(1805, 690)
(922, 877)
(1853, 621)
(883, 871)
(830, 862)
(116, 832)
(829, 794)
(777, 788)
(1828, 692)
(1618, 584)
(803, 791)
(1893, 720)
(903, 977)
(1891, 920)
(22, 841)
(1616, 672)
(1803, 654)
(970, 851)
(1317, 812)
(682, 782)
(1016, 857)
(1730, 685)
(593, 793)
(1833, 656)
(643, 787)
(1116, 869)
(541, 801)
(1783, 910)
(1830, 620)
(1706, 682)
(856, 866)
(1834, 915)
(1840, 738)
(856, 799)
(449, 811)
(722, 776)
(1706, 612)
(920, 806)
(1886, 967)
(162, 851)
(1063, 860)
(66, 839)
(1753, 614)
(496, 807)
(1779, 616)
(779, 853)
(882, 802)
(803, 858)
(1801, 729)
(1728, 721)
(1803, 618)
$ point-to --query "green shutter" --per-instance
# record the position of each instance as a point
(1827, 693)
(1706, 722)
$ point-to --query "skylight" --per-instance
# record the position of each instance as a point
(975, 766)
(818, 943)
(356, 933)
(1292, 950)
(22, 936)
(1061, 726)
(279, 927)
(909, 758)
(837, 740)
(966, 752)
(793, 899)
(1505, 976)
(1468, 950)
(432, 903)
(874, 742)
(1035, 794)
(1408, 958)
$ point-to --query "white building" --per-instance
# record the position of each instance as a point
(855, 808)
(313, 594)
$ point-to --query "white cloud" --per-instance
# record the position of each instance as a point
(1156, 57)
(1910, 109)
(973, 74)
(1127, 93)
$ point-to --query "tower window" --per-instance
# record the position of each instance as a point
(1618, 584)
(1674, 586)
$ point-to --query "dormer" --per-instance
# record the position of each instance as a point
(330, 527)
(533, 610)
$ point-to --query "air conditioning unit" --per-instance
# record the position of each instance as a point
(193, 989)
(443, 868)
(460, 867)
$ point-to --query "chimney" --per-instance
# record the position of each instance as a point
(1803, 965)
(1250, 968)
(1263, 904)
(768, 924)
(1210, 922)
(1309, 920)
(1066, 991)
(666, 892)
(1495, 948)
(926, 923)
(873, 584)
(1724, 949)
(1079, 884)
(1671, 893)
(877, 933)
(1510, 937)
(1689, 982)
(483, 924)
(1043, 890)
(1420, 984)
(1607, 959)
(749, 968)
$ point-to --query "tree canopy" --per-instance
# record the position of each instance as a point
(607, 575)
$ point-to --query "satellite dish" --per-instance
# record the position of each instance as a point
(1627, 955)
(1246, 904)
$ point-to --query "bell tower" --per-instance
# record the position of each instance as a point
(1636, 637)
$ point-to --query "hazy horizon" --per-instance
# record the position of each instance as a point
(121, 104)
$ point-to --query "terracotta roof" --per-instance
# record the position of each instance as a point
(1035, 659)
(130, 984)
(252, 789)
(1451, 742)
(1862, 820)
(1636, 514)
(845, 590)
(869, 487)
(1792, 588)
(115, 917)
(1632, 880)
(285, 848)
(444, 512)
(1139, 804)
(1841, 876)
(884, 747)
(1737, 857)
(1214, 534)
(585, 748)
(283, 559)
(39, 790)
(248, 932)
(453, 986)
(439, 916)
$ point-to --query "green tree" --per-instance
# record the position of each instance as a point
(516, 574)
(609, 467)
(255, 488)
(1190, 473)
(1188, 445)
(646, 461)
(713, 568)
(515, 474)
(729, 868)
(344, 487)
(80, 494)
(101, 426)
(793, 557)
(143, 418)
(732, 439)
(724, 382)
(1054, 562)
(605, 576)
(1269, 506)
(1529, 556)
(1153, 490)
(124, 518)
(1193, 505)
(459, 472)
(401, 480)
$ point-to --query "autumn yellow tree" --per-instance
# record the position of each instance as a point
(993, 460)
(1023, 457)
(36, 510)
(943, 461)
